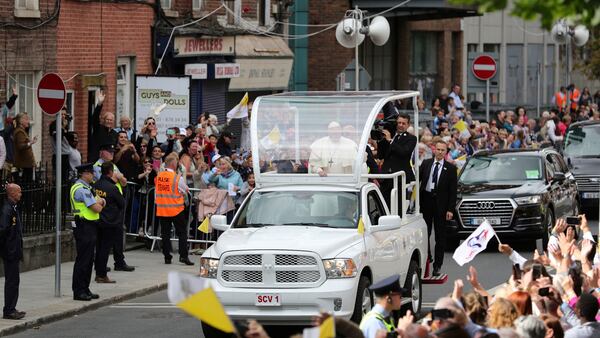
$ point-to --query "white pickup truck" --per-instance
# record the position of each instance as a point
(294, 247)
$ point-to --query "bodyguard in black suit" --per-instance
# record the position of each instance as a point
(396, 152)
(438, 199)
(11, 250)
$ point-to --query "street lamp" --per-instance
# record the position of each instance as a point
(350, 33)
(563, 33)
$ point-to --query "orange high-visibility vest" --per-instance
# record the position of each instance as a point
(561, 101)
(169, 201)
(575, 96)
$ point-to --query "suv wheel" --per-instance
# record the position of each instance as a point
(413, 283)
(548, 228)
(364, 300)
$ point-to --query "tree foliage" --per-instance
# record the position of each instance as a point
(586, 12)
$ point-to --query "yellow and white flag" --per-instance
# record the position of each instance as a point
(204, 226)
(240, 110)
(326, 330)
(272, 139)
(361, 226)
(195, 297)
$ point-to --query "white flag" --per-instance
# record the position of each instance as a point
(474, 244)
(240, 110)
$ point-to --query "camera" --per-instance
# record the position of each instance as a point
(69, 117)
(441, 314)
(544, 292)
(573, 220)
(388, 123)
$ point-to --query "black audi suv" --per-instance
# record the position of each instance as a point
(582, 153)
(520, 192)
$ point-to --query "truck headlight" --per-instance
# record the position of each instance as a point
(209, 267)
(534, 199)
(339, 268)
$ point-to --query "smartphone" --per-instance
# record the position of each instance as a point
(441, 314)
(516, 272)
(392, 334)
(537, 271)
(156, 165)
(573, 220)
(544, 292)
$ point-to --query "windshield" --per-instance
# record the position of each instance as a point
(323, 208)
(583, 141)
(485, 169)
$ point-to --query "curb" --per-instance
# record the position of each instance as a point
(89, 307)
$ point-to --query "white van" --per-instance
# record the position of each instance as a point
(297, 246)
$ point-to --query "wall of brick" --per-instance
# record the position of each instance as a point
(326, 58)
(90, 38)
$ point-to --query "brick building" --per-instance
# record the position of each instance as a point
(91, 45)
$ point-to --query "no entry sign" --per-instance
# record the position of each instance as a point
(51, 93)
(484, 67)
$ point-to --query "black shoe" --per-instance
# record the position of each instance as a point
(185, 261)
(93, 295)
(14, 316)
(22, 312)
(436, 272)
(168, 260)
(124, 267)
(82, 296)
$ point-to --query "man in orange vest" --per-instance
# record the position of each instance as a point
(170, 193)
(574, 97)
(560, 99)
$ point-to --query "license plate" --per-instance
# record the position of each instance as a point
(267, 299)
(590, 194)
(492, 221)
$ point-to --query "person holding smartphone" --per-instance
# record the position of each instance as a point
(388, 293)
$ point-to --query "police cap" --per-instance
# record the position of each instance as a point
(388, 285)
(87, 167)
(108, 147)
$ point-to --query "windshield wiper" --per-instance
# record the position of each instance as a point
(253, 225)
(323, 225)
(590, 156)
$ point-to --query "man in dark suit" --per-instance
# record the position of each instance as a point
(438, 199)
(11, 250)
(396, 152)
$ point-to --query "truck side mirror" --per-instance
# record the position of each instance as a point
(219, 222)
(559, 177)
(389, 220)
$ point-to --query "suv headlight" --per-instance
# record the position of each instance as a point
(209, 267)
(339, 268)
(534, 199)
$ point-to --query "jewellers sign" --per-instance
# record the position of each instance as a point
(208, 45)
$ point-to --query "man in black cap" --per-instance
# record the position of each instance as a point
(86, 209)
(11, 250)
(388, 293)
(110, 229)
(107, 152)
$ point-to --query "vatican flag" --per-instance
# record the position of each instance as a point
(239, 111)
(204, 226)
(326, 330)
(361, 226)
(272, 139)
(195, 297)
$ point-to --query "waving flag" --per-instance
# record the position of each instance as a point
(474, 244)
(239, 111)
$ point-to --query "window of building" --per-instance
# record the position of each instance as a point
(26, 91)
(424, 52)
(27, 8)
(70, 104)
(472, 48)
(491, 48)
(124, 81)
(165, 4)
(196, 5)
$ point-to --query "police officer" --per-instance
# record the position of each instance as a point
(111, 219)
(107, 152)
(86, 209)
(11, 250)
(170, 208)
(388, 294)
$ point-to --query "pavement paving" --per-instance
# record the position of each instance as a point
(36, 293)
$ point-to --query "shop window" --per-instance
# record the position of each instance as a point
(196, 5)
(27, 8)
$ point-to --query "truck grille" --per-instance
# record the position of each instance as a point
(490, 209)
(588, 183)
(271, 270)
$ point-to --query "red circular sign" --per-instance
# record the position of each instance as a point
(484, 67)
(51, 93)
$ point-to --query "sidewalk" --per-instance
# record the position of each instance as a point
(36, 292)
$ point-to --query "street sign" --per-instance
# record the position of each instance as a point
(51, 93)
(484, 67)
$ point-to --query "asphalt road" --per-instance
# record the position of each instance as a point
(152, 315)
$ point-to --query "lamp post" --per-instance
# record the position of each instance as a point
(563, 33)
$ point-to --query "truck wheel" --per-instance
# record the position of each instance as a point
(548, 228)
(413, 283)
(364, 300)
